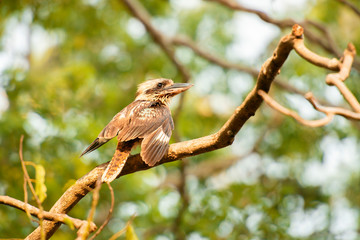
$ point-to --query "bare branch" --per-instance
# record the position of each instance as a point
(332, 110)
(44, 214)
(27, 179)
(348, 95)
(84, 231)
(311, 123)
(109, 214)
(338, 79)
(331, 64)
(123, 230)
(329, 111)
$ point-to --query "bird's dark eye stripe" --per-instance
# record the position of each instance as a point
(159, 85)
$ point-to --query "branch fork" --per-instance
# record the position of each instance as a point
(343, 67)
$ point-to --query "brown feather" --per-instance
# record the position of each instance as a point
(94, 145)
(118, 161)
(155, 145)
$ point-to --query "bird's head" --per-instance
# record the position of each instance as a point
(160, 89)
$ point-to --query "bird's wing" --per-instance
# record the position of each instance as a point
(109, 132)
(143, 119)
(137, 120)
(155, 145)
(115, 125)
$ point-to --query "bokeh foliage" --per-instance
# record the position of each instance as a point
(80, 62)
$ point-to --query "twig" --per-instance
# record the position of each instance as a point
(84, 231)
(348, 95)
(223, 138)
(329, 111)
(44, 214)
(332, 110)
(27, 179)
(311, 123)
(26, 199)
(122, 231)
(331, 64)
(338, 79)
(109, 214)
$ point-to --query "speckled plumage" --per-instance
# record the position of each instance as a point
(147, 120)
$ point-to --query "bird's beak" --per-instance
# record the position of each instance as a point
(177, 88)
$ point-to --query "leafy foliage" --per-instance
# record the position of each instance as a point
(71, 65)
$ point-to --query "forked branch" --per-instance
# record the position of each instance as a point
(336, 79)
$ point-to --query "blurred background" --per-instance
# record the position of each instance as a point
(67, 67)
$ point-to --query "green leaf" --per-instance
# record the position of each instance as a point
(40, 188)
(130, 233)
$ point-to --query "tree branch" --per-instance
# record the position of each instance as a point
(332, 110)
(336, 79)
(63, 218)
(331, 64)
(28, 181)
(85, 230)
(109, 214)
(329, 111)
(224, 137)
(310, 123)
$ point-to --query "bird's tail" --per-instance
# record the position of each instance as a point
(94, 145)
(117, 162)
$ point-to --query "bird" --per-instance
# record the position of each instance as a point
(146, 121)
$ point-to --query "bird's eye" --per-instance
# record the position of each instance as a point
(159, 85)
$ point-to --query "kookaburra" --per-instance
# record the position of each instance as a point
(147, 120)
